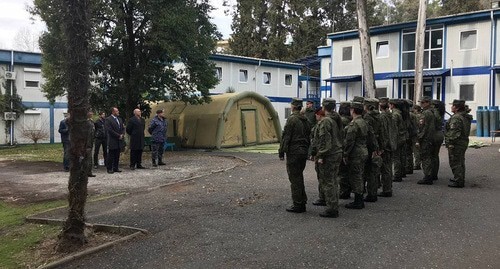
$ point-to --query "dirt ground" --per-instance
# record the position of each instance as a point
(27, 182)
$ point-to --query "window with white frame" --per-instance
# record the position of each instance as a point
(382, 49)
(218, 73)
(32, 77)
(467, 92)
(347, 54)
(243, 75)
(380, 92)
(266, 77)
(433, 48)
(468, 40)
(288, 79)
(32, 120)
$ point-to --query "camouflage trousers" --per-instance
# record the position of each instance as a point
(399, 159)
(438, 142)
(295, 165)
(386, 171)
(417, 162)
(427, 157)
(321, 194)
(345, 187)
(356, 167)
(371, 175)
(328, 175)
(456, 155)
(409, 155)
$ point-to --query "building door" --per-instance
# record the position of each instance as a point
(431, 88)
(249, 126)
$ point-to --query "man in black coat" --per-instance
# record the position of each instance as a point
(115, 133)
(135, 129)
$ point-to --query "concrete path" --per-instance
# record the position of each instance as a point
(237, 219)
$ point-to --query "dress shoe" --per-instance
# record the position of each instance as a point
(141, 167)
(132, 167)
(385, 194)
(319, 202)
(435, 178)
(155, 165)
(117, 171)
(417, 167)
(91, 175)
(329, 214)
(370, 198)
(455, 184)
(296, 209)
(110, 171)
(425, 181)
(66, 169)
(161, 163)
(397, 179)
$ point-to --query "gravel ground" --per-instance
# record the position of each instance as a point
(24, 182)
(236, 219)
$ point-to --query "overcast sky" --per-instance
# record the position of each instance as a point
(13, 17)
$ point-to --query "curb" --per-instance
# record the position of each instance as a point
(131, 231)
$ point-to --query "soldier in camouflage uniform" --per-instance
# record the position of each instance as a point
(295, 143)
(309, 112)
(345, 116)
(457, 141)
(327, 152)
(373, 162)
(412, 137)
(417, 162)
(399, 156)
(388, 133)
(425, 140)
(329, 106)
(355, 153)
(438, 110)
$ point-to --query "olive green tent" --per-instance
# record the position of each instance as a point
(229, 120)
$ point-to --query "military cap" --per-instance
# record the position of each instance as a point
(358, 99)
(345, 104)
(327, 101)
(357, 105)
(417, 107)
(310, 101)
(458, 103)
(296, 102)
(425, 99)
(371, 102)
(384, 100)
(393, 101)
(409, 102)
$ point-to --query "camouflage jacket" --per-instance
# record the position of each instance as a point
(458, 129)
(355, 139)
(327, 138)
(426, 126)
(388, 132)
(296, 135)
(372, 118)
(311, 116)
(402, 133)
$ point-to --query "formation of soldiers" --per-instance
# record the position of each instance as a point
(369, 144)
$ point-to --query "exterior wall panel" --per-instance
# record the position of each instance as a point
(473, 57)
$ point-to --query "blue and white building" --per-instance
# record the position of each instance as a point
(461, 60)
(24, 68)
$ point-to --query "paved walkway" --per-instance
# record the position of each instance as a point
(236, 219)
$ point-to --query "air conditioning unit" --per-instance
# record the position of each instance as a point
(9, 116)
(10, 75)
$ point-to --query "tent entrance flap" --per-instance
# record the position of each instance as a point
(249, 126)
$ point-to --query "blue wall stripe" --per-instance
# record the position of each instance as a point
(470, 71)
(44, 104)
(276, 99)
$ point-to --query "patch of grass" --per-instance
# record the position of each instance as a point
(265, 148)
(43, 152)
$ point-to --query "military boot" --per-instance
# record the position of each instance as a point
(154, 163)
(345, 196)
(329, 214)
(385, 194)
(160, 161)
(295, 208)
(397, 179)
(358, 202)
(455, 184)
(319, 202)
(425, 181)
(370, 198)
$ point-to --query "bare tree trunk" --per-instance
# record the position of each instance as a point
(365, 47)
(77, 31)
(419, 49)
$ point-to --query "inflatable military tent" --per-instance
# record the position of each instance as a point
(229, 120)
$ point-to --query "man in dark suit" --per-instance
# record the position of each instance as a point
(115, 134)
(135, 129)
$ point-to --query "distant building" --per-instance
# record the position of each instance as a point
(24, 69)
(461, 60)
